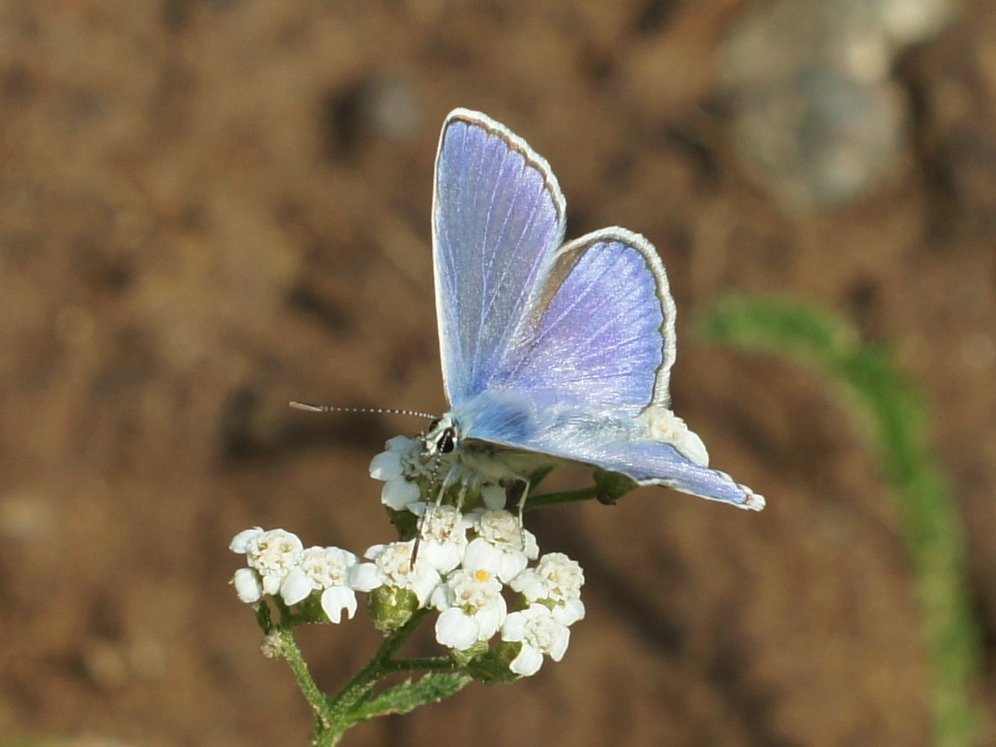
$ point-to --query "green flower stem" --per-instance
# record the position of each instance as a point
(280, 642)
(567, 496)
(426, 664)
(316, 699)
(334, 716)
(339, 709)
(928, 516)
(380, 666)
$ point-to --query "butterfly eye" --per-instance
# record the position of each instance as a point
(432, 426)
(446, 442)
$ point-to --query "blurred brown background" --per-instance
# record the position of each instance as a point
(211, 207)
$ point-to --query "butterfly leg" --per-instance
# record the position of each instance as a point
(525, 483)
(423, 524)
(424, 519)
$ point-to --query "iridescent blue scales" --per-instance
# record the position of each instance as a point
(550, 350)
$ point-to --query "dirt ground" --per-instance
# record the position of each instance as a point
(211, 207)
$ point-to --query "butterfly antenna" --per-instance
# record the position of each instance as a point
(369, 410)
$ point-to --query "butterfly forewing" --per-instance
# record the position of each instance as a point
(498, 216)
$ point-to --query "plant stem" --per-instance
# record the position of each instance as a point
(426, 664)
(338, 710)
(567, 496)
(316, 699)
(928, 515)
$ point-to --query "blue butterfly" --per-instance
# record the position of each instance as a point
(550, 350)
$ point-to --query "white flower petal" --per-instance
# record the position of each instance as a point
(375, 551)
(529, 584)
(514, 627)
(365, 577)
(559, 647)
(490, 619)
(271, 583)
(402, 444)
(482, 555)
(424, 584)
(386, 466)
(398, 494)
(532, 549)
(441, 597)
(539, 633)
(456, 630)
(443, 558)
(511, 565)
(296, 586)
(568, 612)
(335, 600)
(247, 585)
(528, 662)
(240, 541)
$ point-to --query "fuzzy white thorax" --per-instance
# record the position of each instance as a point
(476, 463)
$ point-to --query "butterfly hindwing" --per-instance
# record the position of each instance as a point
(610, 439)
(600, 329)
(645, 460)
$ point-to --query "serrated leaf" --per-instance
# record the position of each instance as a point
(410, 694)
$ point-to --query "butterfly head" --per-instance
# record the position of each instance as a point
(441, 437)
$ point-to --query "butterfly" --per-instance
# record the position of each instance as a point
(551, 351)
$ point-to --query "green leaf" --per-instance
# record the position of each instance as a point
(886, 401)
(411, 694)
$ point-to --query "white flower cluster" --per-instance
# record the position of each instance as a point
(278, 564)
(461, 565)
